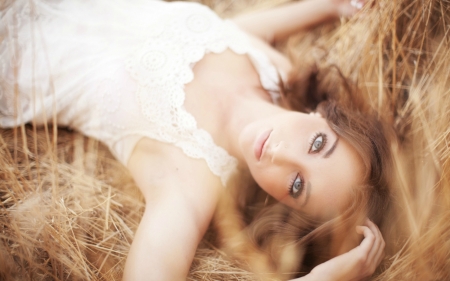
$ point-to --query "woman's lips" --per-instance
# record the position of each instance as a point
(260, 143)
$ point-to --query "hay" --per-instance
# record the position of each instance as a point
(69, 210)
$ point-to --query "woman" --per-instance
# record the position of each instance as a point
(124, 73)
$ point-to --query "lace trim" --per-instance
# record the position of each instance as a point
(162, 66)
(163, 42)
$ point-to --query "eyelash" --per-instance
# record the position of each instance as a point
(311, 142)
(291, 186)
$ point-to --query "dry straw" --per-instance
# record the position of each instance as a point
(68, 210)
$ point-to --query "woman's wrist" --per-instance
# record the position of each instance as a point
(330, 8)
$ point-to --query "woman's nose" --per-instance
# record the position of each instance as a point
(283, 153)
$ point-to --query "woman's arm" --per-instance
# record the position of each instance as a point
(181, 195)
(281, 22)
(356, 264)
(165, 242)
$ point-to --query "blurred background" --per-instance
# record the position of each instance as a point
(68, 210)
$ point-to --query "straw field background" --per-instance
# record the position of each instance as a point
(68, 210)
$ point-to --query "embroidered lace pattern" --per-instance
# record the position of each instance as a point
(152, 55)
(163, 65)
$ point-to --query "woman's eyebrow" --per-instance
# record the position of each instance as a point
(329, 152)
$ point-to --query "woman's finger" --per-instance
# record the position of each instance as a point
(380, 255)
(369, 249)
(357, 4)
(378, 236)
(368, 241)
(377, 252)
(372, 257)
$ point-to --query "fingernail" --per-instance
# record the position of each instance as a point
(359, 5)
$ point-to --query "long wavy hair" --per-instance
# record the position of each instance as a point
(292, 241)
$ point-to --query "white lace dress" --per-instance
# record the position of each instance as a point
(115, 70)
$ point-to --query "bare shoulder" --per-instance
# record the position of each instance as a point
(181, 196)
(161, 168)
(280, 61)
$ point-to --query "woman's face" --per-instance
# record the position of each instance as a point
(300, 161)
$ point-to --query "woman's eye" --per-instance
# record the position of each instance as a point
(318, 143)
(296, 187)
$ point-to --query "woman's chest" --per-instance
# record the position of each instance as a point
(220, 81)
(217, 79)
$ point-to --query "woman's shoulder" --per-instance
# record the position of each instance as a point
(157, 166)
(279, 60)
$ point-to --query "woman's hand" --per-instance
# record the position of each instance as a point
(279, 23)
(347, 8)
(356, 264)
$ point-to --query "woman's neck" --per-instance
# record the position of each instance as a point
(241, 110)
(225, 96)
